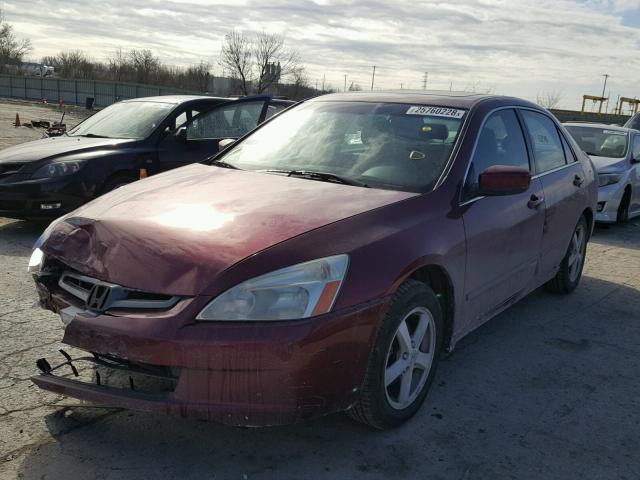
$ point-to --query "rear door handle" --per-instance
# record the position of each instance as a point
(535, 201)
(578, 180)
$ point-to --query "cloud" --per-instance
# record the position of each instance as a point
(514, 47)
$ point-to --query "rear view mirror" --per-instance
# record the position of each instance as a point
(181, 134)
(222, 144)
(504, 180)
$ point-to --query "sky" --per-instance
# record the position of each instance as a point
(509, 47)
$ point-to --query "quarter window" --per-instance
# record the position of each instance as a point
(501, 142)
(548, 152)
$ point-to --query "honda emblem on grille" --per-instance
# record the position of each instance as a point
(98, 297)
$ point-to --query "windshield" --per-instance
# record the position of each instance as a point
(381, 145)
(124, 120)
(599, 141)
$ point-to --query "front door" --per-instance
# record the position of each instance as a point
(199, 137)
(503, 232)
(563, 183)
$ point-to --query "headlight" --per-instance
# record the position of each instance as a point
(58, 169)
(605, 179)
(35, 262)
(300, 291)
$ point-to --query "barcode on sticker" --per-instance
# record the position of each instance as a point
(436, 111)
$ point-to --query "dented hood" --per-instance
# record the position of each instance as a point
(174, 233)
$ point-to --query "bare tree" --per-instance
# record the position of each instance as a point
(145, 64)
(12, 49)
(549, 100)
(272, 60)
(198, 77)
(119, 65)
(72, 64)
(236, 58)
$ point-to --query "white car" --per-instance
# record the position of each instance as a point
(615, 152)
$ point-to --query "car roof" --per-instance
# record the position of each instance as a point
(176, 99)
(430, 97)
(599, 125)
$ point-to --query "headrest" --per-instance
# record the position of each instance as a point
(437, 131)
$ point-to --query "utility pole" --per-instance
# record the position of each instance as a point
(425, 80)
(345, 82)
(604, 87)
(373, 77)
(401, 85)
(323, 78)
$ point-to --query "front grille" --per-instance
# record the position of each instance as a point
(102, 296)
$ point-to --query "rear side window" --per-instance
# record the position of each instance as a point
(568, 153)
(548, 151)
(501, 142)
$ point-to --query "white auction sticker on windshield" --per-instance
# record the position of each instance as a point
(613, 132)
(436, 111)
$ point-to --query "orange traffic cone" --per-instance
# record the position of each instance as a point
(17, 124)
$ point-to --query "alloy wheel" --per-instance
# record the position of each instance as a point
(409, 358)
(576, 252)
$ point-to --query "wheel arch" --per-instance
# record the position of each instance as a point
(439, 280)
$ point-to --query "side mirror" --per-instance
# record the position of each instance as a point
(635, 159)
(181, 135)
(504, 180)
(222, 144)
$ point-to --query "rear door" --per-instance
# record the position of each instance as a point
(562, 179)
(503, 233)
(198, 138)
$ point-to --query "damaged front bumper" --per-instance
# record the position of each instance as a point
(243, 374)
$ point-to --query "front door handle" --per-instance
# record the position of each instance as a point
(578, 180)
(535, 201)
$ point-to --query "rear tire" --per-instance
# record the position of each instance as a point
(404, 358)
(623, 208)
(568, 277)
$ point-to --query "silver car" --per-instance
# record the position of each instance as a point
(615, 152)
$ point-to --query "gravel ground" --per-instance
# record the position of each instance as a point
(548, 389)
(29, 111)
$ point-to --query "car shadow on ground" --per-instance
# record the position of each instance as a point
(548, 389)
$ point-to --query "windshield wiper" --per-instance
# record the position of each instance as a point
(223, 164)
(90, 135)
(321, 176)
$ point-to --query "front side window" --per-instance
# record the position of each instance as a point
(382, 145)
(500, 142)
(229, 121)
(134, 119)
(548, 151)
(599, 141)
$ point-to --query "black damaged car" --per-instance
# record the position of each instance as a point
(120, 144)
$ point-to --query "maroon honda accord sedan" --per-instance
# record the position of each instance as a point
(321, 263)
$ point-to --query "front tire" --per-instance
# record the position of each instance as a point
(404, 358)
(568, 277)
(623, 209)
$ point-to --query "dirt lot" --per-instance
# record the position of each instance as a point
(29, 111)
(548, 389)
